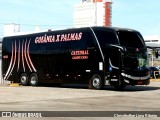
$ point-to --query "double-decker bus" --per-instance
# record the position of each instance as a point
(96, 56)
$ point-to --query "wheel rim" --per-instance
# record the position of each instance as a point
(96, 82)
(33, 80)
(23, 79)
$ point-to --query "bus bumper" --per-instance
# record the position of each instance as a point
(134, 80)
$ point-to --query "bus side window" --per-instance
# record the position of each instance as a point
(106, 37)
(90, 40)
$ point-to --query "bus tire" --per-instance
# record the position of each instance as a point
(24, 79)
(33, 79)
(95, 82)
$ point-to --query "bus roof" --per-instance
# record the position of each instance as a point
(82, 28)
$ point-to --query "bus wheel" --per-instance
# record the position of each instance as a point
(95, 82)
(33, 79)
(24, 79)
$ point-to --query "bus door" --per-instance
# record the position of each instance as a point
(114, 68)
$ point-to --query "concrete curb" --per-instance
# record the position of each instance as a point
(18, 84)
(14, 85)
(155, 80)
(4, 84)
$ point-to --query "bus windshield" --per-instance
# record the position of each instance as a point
(133, 61)
(130, 39)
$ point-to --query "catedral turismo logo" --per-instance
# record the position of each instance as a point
(58, 38)
(79, 54)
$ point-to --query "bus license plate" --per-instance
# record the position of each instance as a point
(139, 82)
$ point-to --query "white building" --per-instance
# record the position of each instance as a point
(10, 29)
(92, 13)
(152, 40)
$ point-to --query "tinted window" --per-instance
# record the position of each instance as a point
(106, 37)
(130, 39)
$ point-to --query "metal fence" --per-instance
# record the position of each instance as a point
(2, 82)
(0, 49)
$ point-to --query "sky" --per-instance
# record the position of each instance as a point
(142, 15)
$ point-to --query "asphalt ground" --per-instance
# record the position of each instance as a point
(78, 98)
(74, 100)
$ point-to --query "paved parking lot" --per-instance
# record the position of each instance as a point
(79, 98)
